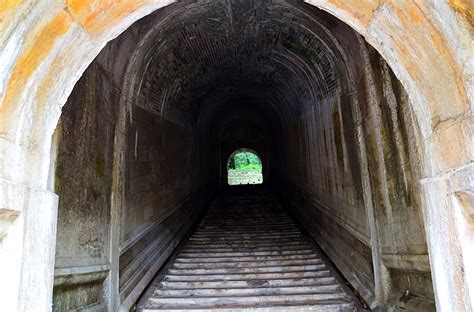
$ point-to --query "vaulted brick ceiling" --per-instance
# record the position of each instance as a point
(277, 54)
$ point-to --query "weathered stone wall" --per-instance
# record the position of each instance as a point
(83, 181)
(158, 199)
(329, 193)
(161, 188)
(393, 157)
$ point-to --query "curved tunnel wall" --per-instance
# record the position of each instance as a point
(327, 113)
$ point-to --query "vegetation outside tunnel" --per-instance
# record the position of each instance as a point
(244, 167)
(244, 161)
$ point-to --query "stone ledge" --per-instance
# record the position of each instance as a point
(407, 262)
(80, 275)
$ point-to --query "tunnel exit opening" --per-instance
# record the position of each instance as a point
(244, 166)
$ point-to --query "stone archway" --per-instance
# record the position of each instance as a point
(46, 47)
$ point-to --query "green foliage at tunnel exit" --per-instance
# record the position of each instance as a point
(244, 161)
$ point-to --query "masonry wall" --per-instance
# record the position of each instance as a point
(161, 196)
(394, 168)
(353, 150)
(83, 181)
(129, 192)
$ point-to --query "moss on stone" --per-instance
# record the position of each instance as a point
(298, 48)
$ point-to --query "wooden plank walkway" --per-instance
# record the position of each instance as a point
(248, 255)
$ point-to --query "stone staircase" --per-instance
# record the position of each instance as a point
(248, 255)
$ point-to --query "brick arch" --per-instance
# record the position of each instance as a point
(46, 47)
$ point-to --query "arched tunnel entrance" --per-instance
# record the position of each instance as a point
(357, 209)
(332, 123)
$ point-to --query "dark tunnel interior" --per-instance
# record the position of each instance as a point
(144, 139)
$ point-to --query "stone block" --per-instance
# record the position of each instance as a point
(449, 146)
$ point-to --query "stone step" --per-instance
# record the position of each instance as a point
(246, 264)
(238, 233)
(241, 270)
(309, 255)
(249, 226)
(247, 276)
(286, 247)
(257, 237)
(204, 302)
(238, 292)
(244, 244)
(248, 237)
(309, 281)
(248, 255)
(244, 217)
(291, 307)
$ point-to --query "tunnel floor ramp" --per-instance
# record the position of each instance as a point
(248, 255)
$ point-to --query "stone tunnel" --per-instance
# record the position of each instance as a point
(115, 177)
